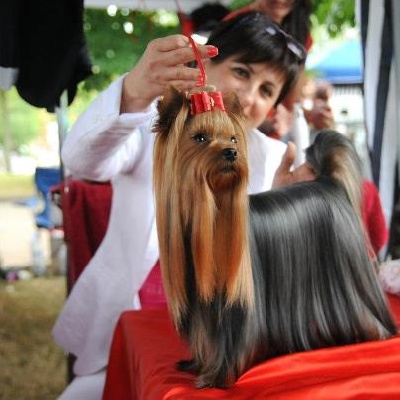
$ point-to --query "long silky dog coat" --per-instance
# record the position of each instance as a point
(310, 282)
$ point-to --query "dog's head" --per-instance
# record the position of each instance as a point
(210, 147)
(200, 179)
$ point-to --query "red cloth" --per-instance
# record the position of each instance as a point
(152, 293)
(186, 24)
(373, 217)
(394, 302)
(146, 347)
(86, 210)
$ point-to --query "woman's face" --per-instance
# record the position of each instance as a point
(275, 9)
(257, 85)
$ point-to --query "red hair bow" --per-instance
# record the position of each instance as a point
(206, 101)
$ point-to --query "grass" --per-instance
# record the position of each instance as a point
(16, 186)
(32, 366)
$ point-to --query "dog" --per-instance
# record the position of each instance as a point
(200, 183)
(249, 278)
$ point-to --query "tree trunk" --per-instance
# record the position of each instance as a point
(7, 140)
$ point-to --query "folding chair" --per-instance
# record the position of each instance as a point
(47, 218)
(45, 178)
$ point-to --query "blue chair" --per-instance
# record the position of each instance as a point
(45, 178)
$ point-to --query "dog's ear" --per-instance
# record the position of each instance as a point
(168, 108)
(232, 104)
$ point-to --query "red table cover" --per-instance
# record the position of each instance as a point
(146, 347)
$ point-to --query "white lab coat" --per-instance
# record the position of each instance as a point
(103, 145)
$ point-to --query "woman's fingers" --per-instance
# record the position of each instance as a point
(178, 49)
(285, 174)
(168, 59)
(163, 62)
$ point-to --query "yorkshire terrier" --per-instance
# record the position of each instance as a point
(200, 182)
(310, 282)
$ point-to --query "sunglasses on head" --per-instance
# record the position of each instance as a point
(272, 29)
(293, 45)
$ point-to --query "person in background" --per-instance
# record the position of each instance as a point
(374, 218)
(112, 140)
(293, 16)
(316, 105)
(202, 20)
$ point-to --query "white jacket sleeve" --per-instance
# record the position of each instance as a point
(102, 142)
(265, 156)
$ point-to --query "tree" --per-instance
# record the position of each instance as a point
(5, 131)
(333, 14)
(117, 38)
(19, 125)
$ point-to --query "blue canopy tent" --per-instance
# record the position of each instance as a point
(341, 65)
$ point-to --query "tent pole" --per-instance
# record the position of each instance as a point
(62, 121)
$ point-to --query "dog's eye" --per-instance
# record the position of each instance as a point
(200, 138)
(233, 139)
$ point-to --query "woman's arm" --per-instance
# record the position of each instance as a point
(107, 137)
(102, 143)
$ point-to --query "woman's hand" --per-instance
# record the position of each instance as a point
(161, 64)
(285, 175)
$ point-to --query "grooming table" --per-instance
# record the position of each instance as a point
(146, 347)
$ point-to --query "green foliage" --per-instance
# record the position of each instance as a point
(24, 120)
(112, 50)
(334, 15)
(239, 3)
(82, 100)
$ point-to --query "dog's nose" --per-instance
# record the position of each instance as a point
(230, 154)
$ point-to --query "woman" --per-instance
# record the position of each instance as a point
(112, 141)
(293, 16)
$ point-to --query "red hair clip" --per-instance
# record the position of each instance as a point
(206, 101)
(204, 98)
